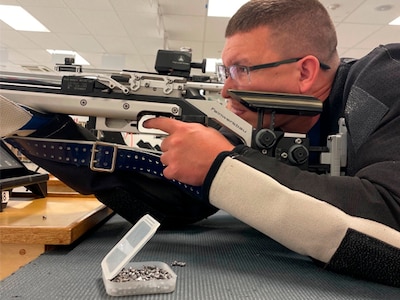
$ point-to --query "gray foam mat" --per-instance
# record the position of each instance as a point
(225, 259)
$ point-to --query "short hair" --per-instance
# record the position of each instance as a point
(298, 27)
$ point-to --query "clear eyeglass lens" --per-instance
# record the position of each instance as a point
(236, 72)
(222, 73)
(239, 73)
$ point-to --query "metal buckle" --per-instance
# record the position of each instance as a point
(93, 160)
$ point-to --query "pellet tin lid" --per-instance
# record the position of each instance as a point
(123, 252)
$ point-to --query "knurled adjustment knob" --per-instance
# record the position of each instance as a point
(298, 154)
(265, 138)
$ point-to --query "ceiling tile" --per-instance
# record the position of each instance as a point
(184, 27)
(16, 40)
(46, 40)
(213, 49)
(93, 5)
(350, 35)
(215, 28)
(116, 44)
(385, 35)
(148, 46)
(371, 7)
(80, 42)
(181, 7)
(39, 56)
(340, 9)
(17, 58)
(355, 53)
(141, 25)
(136, 6)
(100, 22)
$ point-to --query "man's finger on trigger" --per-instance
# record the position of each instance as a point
(145, 129)
(161, 123)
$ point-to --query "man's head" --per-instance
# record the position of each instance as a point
(298, 34)
(297, 27)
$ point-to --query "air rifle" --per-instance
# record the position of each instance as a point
(121, 101)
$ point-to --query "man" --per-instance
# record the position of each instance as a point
(339, 221)
(349, 224)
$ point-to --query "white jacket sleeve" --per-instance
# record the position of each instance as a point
(307, 225)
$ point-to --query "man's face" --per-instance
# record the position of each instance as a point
(248, 49)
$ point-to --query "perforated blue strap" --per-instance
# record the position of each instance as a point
(98, 156)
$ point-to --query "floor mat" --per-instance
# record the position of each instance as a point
(224, 259)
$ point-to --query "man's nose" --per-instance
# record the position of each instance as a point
(228, 85)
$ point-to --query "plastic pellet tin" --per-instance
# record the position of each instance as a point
(122, 277)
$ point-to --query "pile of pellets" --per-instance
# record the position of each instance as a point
(145, 274)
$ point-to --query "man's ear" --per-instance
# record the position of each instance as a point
(309, 68)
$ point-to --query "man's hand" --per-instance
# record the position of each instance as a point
(189, 150)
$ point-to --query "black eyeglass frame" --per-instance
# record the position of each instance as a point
(269, 65)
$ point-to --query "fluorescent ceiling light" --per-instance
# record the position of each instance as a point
(79, 60)
(223, 8)
(19, 19)
(395, 21)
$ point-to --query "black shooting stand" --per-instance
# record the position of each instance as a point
(13, 174)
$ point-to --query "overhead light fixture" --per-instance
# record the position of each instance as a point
(395, 21)
(19, 19)
(384, 7)
(221, 8)
(333, 6)
(79, 60)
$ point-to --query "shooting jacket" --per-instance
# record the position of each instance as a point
(348, 223)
